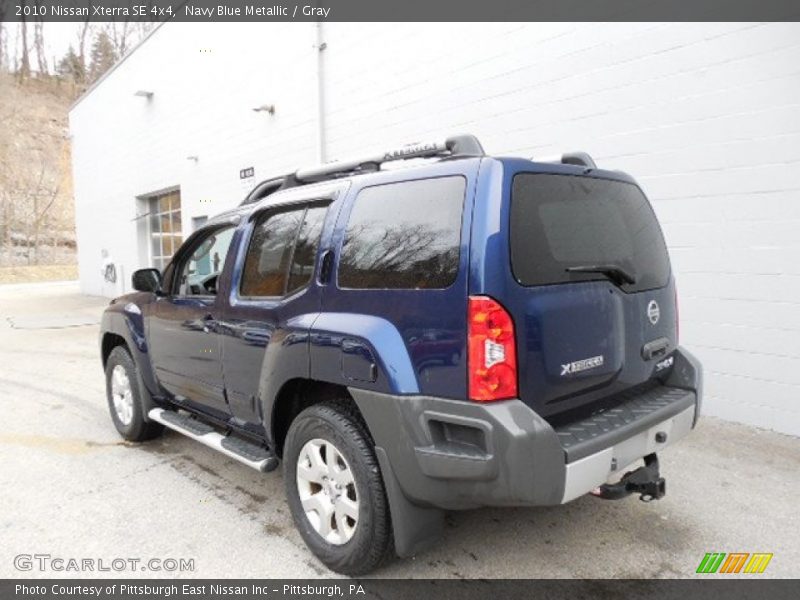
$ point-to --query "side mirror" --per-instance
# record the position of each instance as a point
(146, 280)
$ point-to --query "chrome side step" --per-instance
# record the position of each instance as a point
(252, 455)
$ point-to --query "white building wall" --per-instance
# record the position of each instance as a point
(205, 80)
(704, 115)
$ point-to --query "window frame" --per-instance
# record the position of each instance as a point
(180, 258)
(153, 211)
(254, 221)
(346, 223)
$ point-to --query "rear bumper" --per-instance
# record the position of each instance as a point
(454, 455)
(584, 474)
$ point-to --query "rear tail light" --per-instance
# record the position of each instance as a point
(492, 348)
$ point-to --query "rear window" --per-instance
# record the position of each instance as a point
(563, 221)
(404, 235)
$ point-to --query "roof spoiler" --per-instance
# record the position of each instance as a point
(580, 159)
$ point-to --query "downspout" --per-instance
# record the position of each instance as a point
(320, 47)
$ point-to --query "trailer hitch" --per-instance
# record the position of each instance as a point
(644, 481)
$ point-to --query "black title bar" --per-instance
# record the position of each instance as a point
(398, 10)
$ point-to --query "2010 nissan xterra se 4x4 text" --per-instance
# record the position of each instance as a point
(472, 331)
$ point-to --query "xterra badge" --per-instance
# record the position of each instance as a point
(582, 365)
(653, 312)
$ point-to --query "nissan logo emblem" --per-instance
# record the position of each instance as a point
(653, 312)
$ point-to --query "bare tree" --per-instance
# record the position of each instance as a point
(28, 203)
(84, 34)
(24, 62)
(118, 33)
(42, 197)
(125, 34)
(38, 40)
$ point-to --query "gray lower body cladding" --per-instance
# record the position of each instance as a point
(516, 458)
(454, 454)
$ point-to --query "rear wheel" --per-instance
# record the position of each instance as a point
(124, 398)
(335, 490)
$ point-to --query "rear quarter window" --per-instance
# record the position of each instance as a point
(404, 235)
(563, 221)
(282, 251)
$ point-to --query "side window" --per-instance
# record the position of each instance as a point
(199, 273)
(282, 251)
(305, 251)
(404, 235)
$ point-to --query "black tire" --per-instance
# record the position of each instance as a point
(137, 430)
(372, 542)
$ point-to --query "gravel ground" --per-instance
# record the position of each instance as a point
(70, 487)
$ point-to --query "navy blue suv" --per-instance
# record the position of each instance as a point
(423, 330)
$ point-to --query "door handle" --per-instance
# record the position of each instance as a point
(655, 349)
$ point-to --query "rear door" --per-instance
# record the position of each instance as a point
(272, 285)
(592, 295)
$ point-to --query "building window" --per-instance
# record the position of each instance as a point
(165, 227)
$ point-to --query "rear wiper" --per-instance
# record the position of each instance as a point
(615, 273)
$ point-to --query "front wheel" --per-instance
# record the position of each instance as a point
(124, 400)
(335, 490)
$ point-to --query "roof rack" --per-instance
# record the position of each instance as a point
(453, 147)
(580, 159)
(264, 189)
(458, 146)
